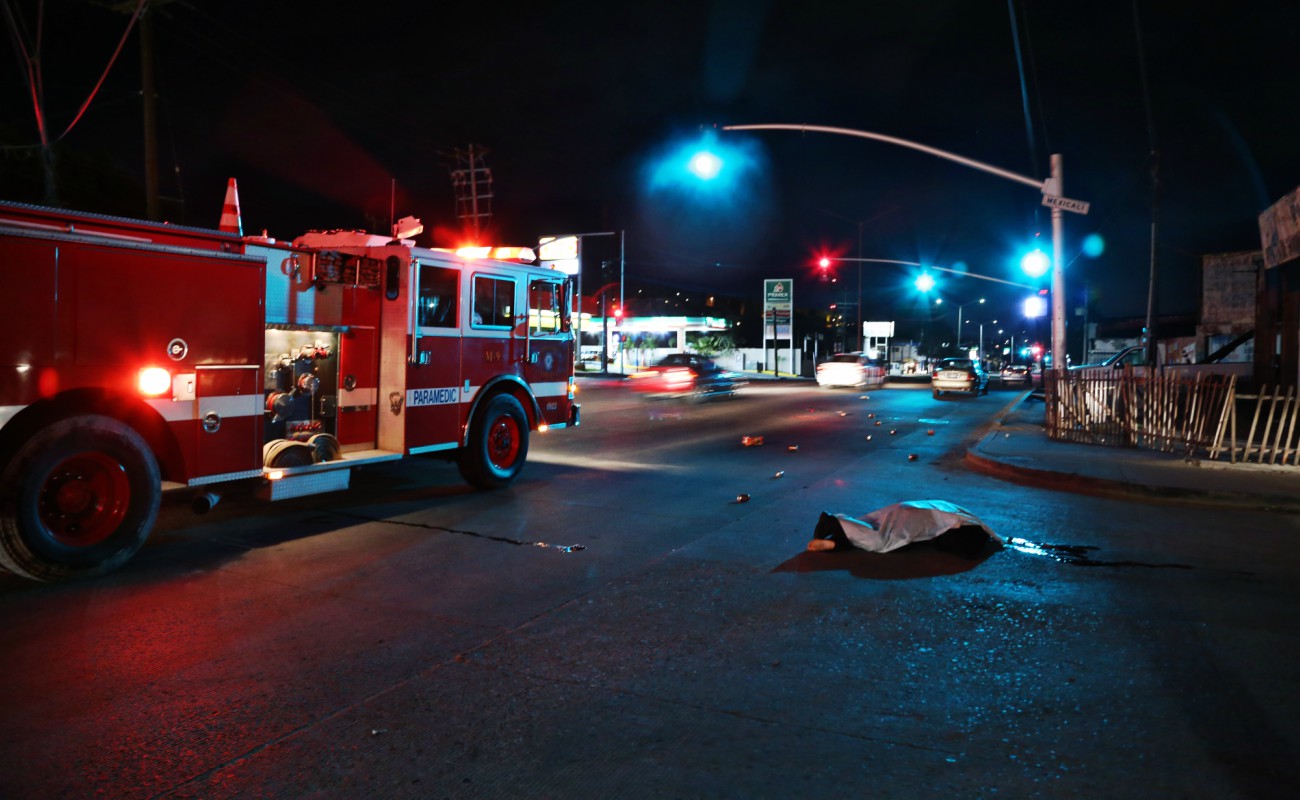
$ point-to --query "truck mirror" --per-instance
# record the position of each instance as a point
(392, 280)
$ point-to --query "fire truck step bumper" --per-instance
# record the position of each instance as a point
(306, 484)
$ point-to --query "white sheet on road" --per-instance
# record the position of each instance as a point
(893, 526)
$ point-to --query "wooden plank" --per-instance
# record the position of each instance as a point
(1250, 437)
(1283, 445)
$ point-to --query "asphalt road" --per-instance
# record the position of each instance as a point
(618, 624)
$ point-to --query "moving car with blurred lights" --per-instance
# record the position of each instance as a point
(959, 375)
(1016, 374)
(850, 369)
(685, 375)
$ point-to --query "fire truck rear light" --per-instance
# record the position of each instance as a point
(154, 381)
(275, 475)
(542, 428)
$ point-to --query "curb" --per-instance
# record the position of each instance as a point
(1103, 487)
(1077, 483)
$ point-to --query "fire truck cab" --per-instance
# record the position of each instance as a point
(136, 356)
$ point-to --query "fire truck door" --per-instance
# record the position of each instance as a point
(434, 389)
(547, 352)
(358, 388)
(228, 402)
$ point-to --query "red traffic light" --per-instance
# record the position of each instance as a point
(824, 262)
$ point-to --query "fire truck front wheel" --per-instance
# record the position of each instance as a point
(498, 444)
(78, 499)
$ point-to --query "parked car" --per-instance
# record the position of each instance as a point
(850, 369)
(1019, 374)
(1135, 357)
(685, 375)
(959, 375)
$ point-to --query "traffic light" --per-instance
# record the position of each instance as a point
(824, 269)
(1035, 263)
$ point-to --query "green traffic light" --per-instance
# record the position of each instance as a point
(705, 165)
(1035, 263)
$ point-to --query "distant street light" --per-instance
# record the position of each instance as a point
(1051, 190)
(961, 321)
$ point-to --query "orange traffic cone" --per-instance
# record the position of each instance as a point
(230, 221)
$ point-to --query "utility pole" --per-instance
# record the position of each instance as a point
(150, 105)
(472, 182)
(144, 13)
(1154, 166)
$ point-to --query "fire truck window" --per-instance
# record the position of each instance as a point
(494, 300)
(544, 307)
(438, 293)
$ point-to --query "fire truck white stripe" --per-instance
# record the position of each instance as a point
(226, 406)
(550, 388)
(433, 448)
(540, 390)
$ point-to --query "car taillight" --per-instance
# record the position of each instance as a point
(678, 376)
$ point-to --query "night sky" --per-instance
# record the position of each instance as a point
(580, 104)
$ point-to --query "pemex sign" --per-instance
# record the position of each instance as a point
(778, 300)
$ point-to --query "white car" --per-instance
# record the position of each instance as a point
(1017, 373)
(959, 375)
(850, 369)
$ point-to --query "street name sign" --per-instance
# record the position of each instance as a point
(1065, 203)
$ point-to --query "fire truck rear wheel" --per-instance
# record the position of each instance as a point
(498, 444)
(78, 499)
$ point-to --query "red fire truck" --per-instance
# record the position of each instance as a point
(137, 357)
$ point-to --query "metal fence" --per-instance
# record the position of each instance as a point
(1195, 416)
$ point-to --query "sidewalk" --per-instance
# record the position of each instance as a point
(1016, 448)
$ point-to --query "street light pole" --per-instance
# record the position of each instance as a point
(622, 265)
(1052, 195)
(1058, 272)
(858, 334)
